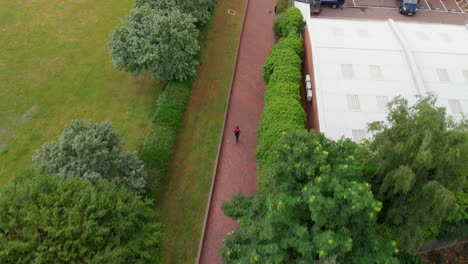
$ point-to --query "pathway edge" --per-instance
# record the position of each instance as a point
(213, 178)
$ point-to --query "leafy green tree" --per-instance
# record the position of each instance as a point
(46, 219)
(315, 208)
(201, 10)
(418, 161)
(163, 42)
(92, 151)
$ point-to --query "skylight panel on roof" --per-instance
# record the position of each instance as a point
(338, 31)
(465, 74)
(382, 102)
(446, 37)
(375, 72)
(443, 75)
(353, 102)
(363, 33)
(347, 71)
(455, 107)
(422, 35)
(359, 135)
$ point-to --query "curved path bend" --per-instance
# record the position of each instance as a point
(237, 164)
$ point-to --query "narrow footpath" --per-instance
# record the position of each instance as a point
(237, 164)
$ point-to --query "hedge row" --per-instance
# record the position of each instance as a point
(162, 135)
(290, 23)
(282, 73)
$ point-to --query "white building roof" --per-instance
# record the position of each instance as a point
(361, 65)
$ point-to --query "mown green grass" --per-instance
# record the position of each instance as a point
(55, 67)
(185, 188)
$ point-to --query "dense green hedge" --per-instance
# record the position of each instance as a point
(283, 90)
(292, 41)
(280, 57)
(286, 73)
(162, 135)
(279, 116)
(291, 23)
(282, 73)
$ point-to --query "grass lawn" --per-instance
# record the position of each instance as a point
(185, 188)
(55, 67)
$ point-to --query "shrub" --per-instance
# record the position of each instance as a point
(292, 41)
(48, 219)
(279, 116)
(286, 74)
(282, 90)
(171, 105)
(277, 24)
(162, 135)
(280, 57)
(93, 151)
(292, 22)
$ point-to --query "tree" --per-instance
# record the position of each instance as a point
(92, 151)
(46, 219)
(316, 207)
(163, 42)
(200, 9)
(418, 161)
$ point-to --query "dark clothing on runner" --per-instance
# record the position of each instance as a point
(237, 132)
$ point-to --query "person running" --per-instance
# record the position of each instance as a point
(237, 132)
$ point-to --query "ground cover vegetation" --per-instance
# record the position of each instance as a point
(89, 154)
(282, 74)
(404, 186)
(55, 68)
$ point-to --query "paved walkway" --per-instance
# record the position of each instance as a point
(237, 167)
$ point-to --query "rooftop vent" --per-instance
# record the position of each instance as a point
(359, 135)
(347, 71)
(443, 75)
(353, 102)
(455, 107)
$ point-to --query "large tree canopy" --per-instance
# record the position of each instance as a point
(161, 41)
(46, 219)
(315, 207)
(92, 151)
(418, 161)
(200, 9)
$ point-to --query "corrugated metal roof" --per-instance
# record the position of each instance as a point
(362, 65)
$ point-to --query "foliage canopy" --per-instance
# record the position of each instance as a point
(92, 151)
(418, 161)
(163, 42)
(46, 219)
(316, 207)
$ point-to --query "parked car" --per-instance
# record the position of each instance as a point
(332, 3)
(408, 7)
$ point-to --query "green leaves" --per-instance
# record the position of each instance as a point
(291, 23)
(47, 219)
(283, 111)
(164, 42)
(315, 206)
(93, 151)
(419, 161)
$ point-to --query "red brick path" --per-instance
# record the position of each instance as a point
(237, 165)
